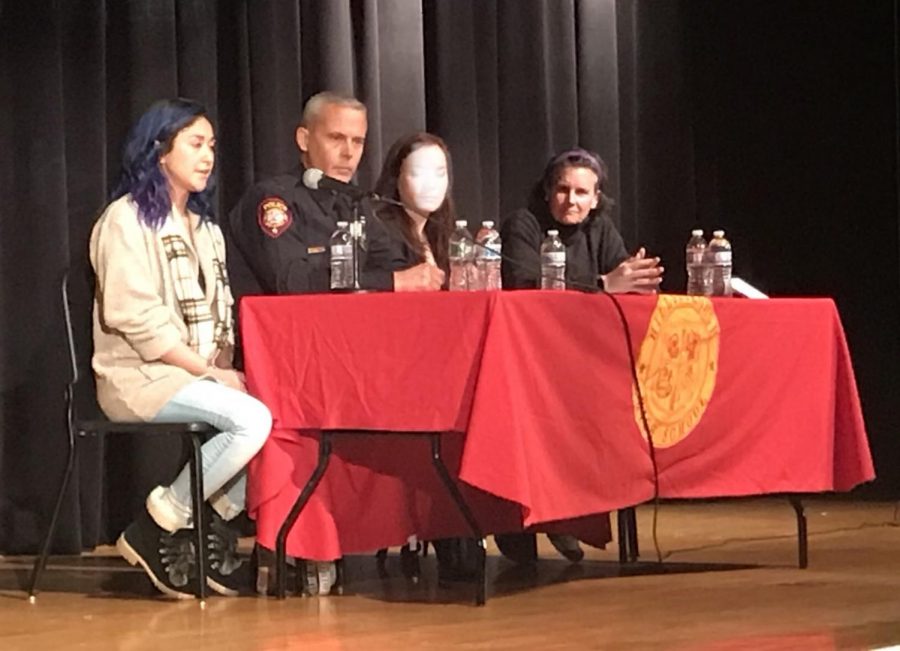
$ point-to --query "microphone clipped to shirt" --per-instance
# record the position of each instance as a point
(316, 179)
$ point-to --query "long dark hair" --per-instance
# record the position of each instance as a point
(440, 222)
(152, 136)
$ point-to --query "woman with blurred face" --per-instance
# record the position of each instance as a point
(418, 174)
(163, 340)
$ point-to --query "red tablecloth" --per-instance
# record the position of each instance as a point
(743, 397)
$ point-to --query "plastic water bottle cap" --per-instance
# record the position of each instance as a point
(487, 223)
(698, 232)
(553, 231)
(718, 233)
(342, 224)
(461, 223)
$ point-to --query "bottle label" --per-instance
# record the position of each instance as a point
(341, 251)
(694, 256)
(493, 252)
(554, 258)
(722, 257)
(460, 250)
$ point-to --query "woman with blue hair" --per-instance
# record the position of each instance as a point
(163, 339)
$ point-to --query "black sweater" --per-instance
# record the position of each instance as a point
(593, 247)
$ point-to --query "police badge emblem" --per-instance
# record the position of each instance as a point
(274, 216)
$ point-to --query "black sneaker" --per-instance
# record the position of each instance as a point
(409, 562)
(567, 546)
(458, 558)
(521, 548)
(226, 573)
(167, 558)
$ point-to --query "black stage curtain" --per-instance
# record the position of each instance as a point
(775, 120)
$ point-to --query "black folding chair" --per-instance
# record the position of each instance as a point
(194, 432)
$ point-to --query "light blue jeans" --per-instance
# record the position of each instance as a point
(243, 423)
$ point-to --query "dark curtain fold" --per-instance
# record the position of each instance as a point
(657, 169)
(707, 113)
(536, 90)
(34, 237)
(599, 105)
(390, 75)
(525, 78)
(462, 98)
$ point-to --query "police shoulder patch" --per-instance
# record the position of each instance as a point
(274, 216)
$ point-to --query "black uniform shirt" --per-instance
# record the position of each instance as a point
(278, 240)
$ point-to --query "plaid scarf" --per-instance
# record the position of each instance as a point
(208, 325)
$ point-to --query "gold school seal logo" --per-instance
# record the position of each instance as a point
(677, 367)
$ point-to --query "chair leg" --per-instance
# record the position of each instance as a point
(802, 542)
(196, 470)
(41, 561)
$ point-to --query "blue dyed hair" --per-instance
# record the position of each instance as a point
(141, 176)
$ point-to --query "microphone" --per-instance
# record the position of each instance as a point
(316, 179)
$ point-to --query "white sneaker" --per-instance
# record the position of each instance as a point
(310, 578)
(327, 576)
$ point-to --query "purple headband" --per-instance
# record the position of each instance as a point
(576, 157)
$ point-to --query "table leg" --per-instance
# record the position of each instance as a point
(302, 499)
(466, 512)
(802, 546)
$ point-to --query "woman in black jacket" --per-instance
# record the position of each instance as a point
(569, 198)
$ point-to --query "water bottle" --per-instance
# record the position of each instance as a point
(488, 257)
(718, 254)
(553, 262)
(462, 258)
(341, 246)
(699, 274)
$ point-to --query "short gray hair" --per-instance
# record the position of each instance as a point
(314, 105)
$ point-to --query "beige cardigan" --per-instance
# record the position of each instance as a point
(136, 314)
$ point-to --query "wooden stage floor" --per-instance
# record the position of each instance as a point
(728, 582)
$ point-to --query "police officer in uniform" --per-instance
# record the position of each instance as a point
(278, 243)
(278, 234)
